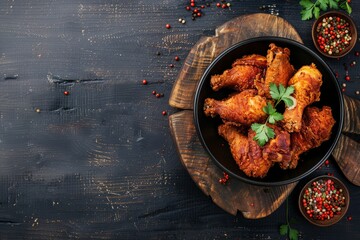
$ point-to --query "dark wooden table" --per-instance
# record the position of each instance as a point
(85, 150)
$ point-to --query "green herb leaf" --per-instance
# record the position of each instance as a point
(312, 9)
(306, 14)
(284, 229)
(333, 4)
(288, 102)
(293, 234)
(281, 94)
(316, 12)
(346, 6)
(263, 133)
(274, 91)
(323, 4)
(307, 4)
(257, 127)
(275, 117)
(289, 91)
(269, 109)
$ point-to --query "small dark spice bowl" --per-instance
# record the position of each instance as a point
(334, 34)
(324, 200)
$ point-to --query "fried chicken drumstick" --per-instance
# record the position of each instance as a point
(242, 74)
(244, 108)
(307, 82)
(279, 70)
(253, 160)
(315, 129)
(245, 151)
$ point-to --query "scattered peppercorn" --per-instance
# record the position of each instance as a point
(153, 92)
(357, 53)
(164, 113)
(349, 218)
(224, 179)
(177, 58)
(144, 82)
(66, 93)
(347, 78)
(171, 65)
(168, 26)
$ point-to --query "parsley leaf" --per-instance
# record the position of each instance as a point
(323, 4)
(293, 234)
(333, 4)
(269, 109)
(285, 229)
(345, 5)
(264, 132)
(312, 9)
(275, 117)
(306, 4)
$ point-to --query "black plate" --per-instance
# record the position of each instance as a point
(218, 148)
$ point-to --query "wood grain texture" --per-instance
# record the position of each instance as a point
(346, 154)
(252, 201)
(351, 115)
(207, 48)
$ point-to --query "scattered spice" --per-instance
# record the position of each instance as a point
(168, 26)
(333, 35)
(347, 78)
(349, 218)
(144, 82)
(177, 58)
(171, 65)
(327, 162)
(37, 110)
(323, 199)
(66, 93)
(153, 92)
(224, 179)
(164, 113)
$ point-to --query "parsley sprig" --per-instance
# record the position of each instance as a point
(264, 132)
(286, 229)
(312, 9)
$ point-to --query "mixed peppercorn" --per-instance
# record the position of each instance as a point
(323, 199)
(333, 35)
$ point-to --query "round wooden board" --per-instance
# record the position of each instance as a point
(236, 196)
(252, 201)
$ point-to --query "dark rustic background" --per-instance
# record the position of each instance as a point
(100, 163)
